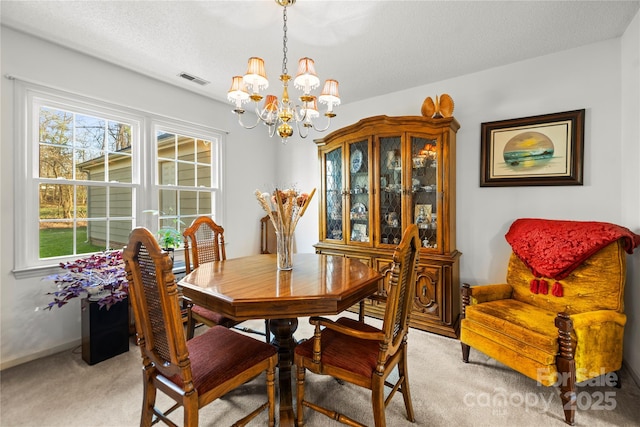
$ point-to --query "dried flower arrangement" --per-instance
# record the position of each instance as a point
(285, 208)
(101, 275)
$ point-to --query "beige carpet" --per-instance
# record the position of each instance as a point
(62, 390)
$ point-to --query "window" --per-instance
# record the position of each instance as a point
(85, 182)
(187, 177)
(88, 180)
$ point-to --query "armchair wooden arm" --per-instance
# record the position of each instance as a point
(330, 324)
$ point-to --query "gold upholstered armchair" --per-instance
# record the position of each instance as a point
(559, 318)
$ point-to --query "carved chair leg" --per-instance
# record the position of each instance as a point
(566, 366)
(465, 352)
(300, 395)
(149, 398)
(465, 293)
(405, 390)
(377, 400)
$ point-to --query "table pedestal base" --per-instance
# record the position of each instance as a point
(282, 330)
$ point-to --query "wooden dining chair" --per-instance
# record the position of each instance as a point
(267, 235)
(360, 354)
(193, 373)
(204, 242)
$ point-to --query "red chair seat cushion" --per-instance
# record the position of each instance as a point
(215, 357)
(212, 316)
(356, 355)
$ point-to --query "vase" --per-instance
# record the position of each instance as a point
(285, 250)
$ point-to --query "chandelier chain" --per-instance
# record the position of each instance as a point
(284, 41)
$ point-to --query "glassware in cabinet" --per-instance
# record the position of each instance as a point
(391, 189)
(358, 196)
(425, 189)
(333, 194)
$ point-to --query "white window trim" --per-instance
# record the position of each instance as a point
(195, 131)
(144, 152)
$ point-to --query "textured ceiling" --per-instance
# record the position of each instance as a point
(372, 48)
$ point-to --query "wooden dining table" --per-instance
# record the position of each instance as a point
(253, 288)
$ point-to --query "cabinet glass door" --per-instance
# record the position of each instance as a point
(358, 196)
(424, 189)
(333, 196)
(391, 186)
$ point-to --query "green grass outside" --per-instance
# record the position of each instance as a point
(59, 242)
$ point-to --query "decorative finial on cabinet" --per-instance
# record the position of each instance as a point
(442, 107)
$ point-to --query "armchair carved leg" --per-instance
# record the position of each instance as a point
(466, 300)
(566, 366)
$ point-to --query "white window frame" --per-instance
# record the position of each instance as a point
(217, 174)
(28, 98)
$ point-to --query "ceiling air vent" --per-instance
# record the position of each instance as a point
(201, 82)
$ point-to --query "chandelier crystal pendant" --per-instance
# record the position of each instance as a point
(280, 114)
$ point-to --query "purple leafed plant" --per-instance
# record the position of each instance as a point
(102, 272)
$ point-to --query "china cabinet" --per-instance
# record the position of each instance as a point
(379, 175)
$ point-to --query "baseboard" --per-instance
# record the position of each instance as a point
(33, 356)
(634, 375)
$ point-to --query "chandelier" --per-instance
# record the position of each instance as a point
(280, 114)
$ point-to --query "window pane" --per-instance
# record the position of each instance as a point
(56, 239)
(56, 201)
(95, 202)
(166, 145)
(89, 132)
(56, 127)
(56, 162)
(120, 168)
(188, 203)
(166, 173)
(204, 151)
(186, 149)
(120, 202)
(91, 236)
(119, 233)
(204, 176)
(90, 165)
(168, 203)
(118, 137)
(186, 174)
(204, 204)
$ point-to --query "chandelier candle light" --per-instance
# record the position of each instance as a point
(279, 114)
(285, 208)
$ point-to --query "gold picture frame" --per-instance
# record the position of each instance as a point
(537, 150)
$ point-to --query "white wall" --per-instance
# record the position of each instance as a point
(26, 334)
(630, 183)
(590, 77)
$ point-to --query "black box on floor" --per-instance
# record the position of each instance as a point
(105, 333)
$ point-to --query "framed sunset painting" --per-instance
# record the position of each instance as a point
(537, 150)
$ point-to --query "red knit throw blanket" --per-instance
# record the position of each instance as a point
(554, 248)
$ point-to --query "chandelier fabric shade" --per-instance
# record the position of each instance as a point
(280, 114)
(238, 93)
(256, 76)
(330, 95)
(307, 78)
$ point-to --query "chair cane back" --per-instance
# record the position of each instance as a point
(355, 352)
(204, 242)
(193, 373)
